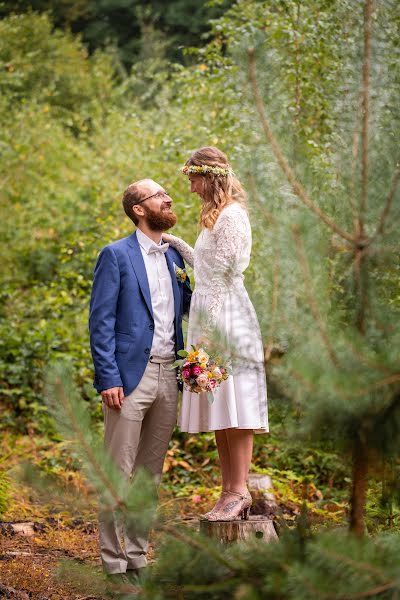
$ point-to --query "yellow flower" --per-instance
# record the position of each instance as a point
(180, 274)
(192, 356)
(210, 375)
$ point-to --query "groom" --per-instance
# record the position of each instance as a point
(135, 326)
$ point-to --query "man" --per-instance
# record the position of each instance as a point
(135, 326)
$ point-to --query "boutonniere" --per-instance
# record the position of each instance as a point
(180, 274)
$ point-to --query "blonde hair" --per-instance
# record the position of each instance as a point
(219, 190)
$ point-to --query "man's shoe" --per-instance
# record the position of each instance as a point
(117, 580)
(115, 577)
(134, 575)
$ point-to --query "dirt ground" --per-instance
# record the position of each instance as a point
(28, 563)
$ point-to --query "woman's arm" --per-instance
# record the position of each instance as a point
(231, 234)
(183, 248)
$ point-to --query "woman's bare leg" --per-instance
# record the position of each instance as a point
(240, 443)
(224, 458)
(240, 450)
(225, 465)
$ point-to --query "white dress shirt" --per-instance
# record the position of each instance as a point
(162, 296)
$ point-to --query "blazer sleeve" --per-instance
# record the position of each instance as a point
(103, 308)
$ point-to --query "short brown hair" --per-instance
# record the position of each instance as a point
(132, 195)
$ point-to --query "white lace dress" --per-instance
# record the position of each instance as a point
(220, 303)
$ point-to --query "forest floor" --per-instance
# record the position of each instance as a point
(49, 516)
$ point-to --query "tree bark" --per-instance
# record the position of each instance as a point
(359, 488)
(360, 450)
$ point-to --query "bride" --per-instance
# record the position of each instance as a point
(222, 313)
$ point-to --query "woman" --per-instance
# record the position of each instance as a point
(222, 310)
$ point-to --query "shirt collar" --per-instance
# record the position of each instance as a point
(145, 242)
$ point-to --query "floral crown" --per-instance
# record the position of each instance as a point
(203, 169)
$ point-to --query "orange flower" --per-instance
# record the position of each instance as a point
(192, 356)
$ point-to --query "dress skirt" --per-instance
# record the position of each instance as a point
(241, 400)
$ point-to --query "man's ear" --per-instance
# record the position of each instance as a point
(138, 210)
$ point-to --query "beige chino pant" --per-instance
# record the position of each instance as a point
(137, 435)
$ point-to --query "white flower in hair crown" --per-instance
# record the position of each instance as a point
(204, 169)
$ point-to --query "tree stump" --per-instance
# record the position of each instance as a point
(239, 530)
(260, 487)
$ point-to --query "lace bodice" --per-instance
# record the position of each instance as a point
(219, 258)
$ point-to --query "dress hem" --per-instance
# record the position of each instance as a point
(257, 430)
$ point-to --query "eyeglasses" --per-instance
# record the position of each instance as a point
(159, 194)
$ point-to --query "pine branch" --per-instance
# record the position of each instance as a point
(274, 306)
(203, 544)
(310, 296)
(395, 378)
(208, 588)
(360, 267)
(252, 185)
(361, 274)
(299, 377)
(285, 167)
(74, 423)
(367, 568)
(390, 585)
(297, 63)
(388, 205)
(365, 359)
(365, 112)
(354, 153)
(117, 492)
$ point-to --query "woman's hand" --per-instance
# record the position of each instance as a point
(167, 237)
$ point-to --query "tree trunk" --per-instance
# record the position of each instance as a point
(359, 488)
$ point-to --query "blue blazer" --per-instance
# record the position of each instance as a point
(121, 322)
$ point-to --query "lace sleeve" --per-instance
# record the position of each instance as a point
(232, 231)
(183, 248)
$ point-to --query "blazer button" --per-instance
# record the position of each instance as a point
(151, 327)
(147, 350)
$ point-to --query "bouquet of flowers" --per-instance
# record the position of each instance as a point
(199, 372)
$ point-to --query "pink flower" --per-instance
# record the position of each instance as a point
(186, 373)
(196, 370)
(217, 373)
(196, 498)
(202, 380)
(213, 383)
(222, 371)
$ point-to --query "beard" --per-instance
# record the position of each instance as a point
(160, 220)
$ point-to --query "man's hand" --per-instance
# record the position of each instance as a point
(114, 397)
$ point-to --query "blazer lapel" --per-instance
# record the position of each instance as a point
(175, 287)
(137, 261)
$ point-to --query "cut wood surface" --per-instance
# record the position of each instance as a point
(23, 528)
(257, 526)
